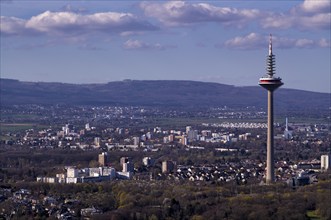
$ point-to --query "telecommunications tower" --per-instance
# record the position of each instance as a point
(270, 83)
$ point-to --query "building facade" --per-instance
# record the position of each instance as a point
(167, 166)
(325, 162)
(103, 159)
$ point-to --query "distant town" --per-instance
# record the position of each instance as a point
(154, 139)
(150, 145)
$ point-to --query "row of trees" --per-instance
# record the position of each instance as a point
(186, 200)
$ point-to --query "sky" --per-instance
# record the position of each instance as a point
(77, 41)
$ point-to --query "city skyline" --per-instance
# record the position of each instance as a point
(210, 41)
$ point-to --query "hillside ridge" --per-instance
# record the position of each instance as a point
(167, 93)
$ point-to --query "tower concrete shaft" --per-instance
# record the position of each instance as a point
(270, 140)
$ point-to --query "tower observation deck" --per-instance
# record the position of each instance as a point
(270, 83)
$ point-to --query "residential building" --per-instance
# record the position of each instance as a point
(128, 167)
(103, 159)
(97, 141)
(325, 162)
(167, 166)
(72, 172)
(148, 161)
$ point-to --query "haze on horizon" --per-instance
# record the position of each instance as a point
(211, 41)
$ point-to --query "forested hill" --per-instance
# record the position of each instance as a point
(157, 93)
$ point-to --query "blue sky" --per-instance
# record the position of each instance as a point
(212, 41)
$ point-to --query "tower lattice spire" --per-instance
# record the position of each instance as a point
(270, 60)
(270, 44)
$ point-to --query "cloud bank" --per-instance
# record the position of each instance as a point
(309, 15)
(74, 25)
(70, 23)
(180, 13)
(139, 45)
(257, 41)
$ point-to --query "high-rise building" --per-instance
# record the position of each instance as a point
(325, 162)
(67, 129)
(167, 166)
(136, 140)
(87, 127)
(124, 160)
(128, 167)
(183, 140)
(148, 161)
(119, 130)
(72, 172)
(103, 159)
(270, 83)
(188, 128)
(149, 135)
(192, 135)
(171, 138)
(97, 141)
(166, 140)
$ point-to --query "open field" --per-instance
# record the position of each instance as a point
(313, 215)
(20, 116)
(15, 127)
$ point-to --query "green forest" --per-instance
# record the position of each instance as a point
(184, 200)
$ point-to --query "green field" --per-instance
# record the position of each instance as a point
(12, 128)
(17, 127)
(312, 215)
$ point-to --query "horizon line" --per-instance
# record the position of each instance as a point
(141, 80)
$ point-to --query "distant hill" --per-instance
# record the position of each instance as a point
(166, 93)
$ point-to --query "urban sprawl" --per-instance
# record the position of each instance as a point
(223, 138)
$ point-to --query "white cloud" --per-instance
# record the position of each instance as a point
(301, 22)
(324, 43)
(304, 43)
(11, 25)
(180, 13)
(71, 8)
(309, 15)
(139, 45)
(87, 46)
(314, 6)
(317, 21)
(133, 44)
(277, 21)
(250, 41)
(258, 41)
(71, 23)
